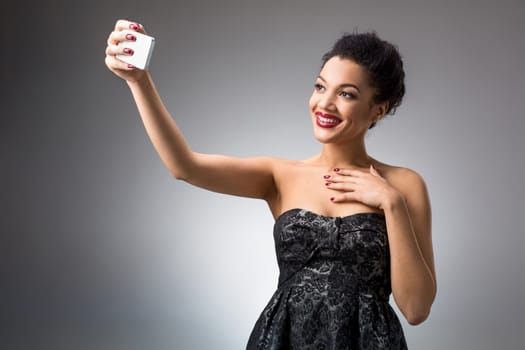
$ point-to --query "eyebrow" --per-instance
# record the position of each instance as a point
(343, 85)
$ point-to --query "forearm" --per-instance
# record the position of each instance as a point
(413, 285)
(166, 137)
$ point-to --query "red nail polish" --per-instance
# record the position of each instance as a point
(131, 37)
(332, 199)
(130, 66)
(326, 176)
(327, 184)
(336, 169)
(134, 26)
(128, 51)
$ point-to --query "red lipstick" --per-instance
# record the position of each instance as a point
(325, 120)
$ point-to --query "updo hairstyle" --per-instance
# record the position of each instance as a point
(380, 59)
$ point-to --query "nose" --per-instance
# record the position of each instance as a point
(326, 101)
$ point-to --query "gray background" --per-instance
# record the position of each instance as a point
(102, 249)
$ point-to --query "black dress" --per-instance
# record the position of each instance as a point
(334, 286)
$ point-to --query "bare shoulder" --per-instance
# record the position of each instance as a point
(400, 177)
(407, 181)
(284, 165)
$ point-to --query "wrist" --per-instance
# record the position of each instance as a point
(140, 80)
(393, 200)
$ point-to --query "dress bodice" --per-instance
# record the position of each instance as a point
(350, 252)
(334, 286)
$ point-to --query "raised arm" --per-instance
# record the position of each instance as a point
(248, 177)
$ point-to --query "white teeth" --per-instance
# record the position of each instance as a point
(328, 120)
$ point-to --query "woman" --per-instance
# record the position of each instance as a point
(349, 229)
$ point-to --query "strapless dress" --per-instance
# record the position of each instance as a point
(334, 286)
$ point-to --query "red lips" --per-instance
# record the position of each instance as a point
(325, 120)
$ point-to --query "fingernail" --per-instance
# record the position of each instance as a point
(134, 26)
(130, 66)
(336, 169)
(332, 199)
(327, 184)
(131, 37)
(128, 51)
(326, 176)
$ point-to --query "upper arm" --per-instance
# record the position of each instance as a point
(417, 199)
(246, 177)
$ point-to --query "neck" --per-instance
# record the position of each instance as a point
(344, 156)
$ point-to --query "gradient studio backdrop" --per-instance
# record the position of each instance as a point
(102, 249)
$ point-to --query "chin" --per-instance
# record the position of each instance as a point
(323, 138)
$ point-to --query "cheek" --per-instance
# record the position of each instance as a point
(312, 102)
(356, 111)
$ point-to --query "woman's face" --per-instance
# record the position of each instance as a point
(341, 105)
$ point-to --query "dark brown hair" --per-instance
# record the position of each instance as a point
(380, 59)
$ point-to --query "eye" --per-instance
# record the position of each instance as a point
(319, 87)
(348, 95)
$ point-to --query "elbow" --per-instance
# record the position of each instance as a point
(416, 308)
(415, 319)
(179, 173)
(416, 311)
(179, 176)
(416, 314)
(181, 169)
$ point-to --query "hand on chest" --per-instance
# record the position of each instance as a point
(305, 187)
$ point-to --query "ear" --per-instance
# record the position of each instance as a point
(379, 111)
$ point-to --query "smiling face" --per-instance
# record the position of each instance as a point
(341, 105)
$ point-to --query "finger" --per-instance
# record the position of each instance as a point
(344, 197)
(113, 50)
(340, 186)
(122, 24)
(114, 63)
(340, 178)
(374, 171)
(125, 24)
(344, 185)
(117, 37)
(348, 172)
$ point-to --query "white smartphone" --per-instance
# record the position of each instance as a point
(142, 50)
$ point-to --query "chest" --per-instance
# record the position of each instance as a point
(304, 187)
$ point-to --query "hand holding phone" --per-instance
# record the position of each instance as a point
(142, 50)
